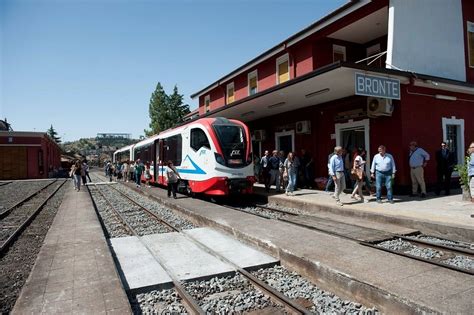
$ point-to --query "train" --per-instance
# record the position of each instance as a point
(212, 155)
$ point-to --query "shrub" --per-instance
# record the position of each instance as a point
(462, 169)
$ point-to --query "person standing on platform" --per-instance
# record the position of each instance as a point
(147, 174)
(132, 171)
(283, 181)
(77, 175)
(290, 172)
(330, 181)
(125, 170)
(470, 170)
(336, 170)
(358, 174)
(383, 170)
(138, 172)
(274, 163)
(265, 170)
(172, 176)
(418, 160)
(445, 162)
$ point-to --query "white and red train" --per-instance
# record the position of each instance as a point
(212, 155)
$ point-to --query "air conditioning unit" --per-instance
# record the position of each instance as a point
(379, 107)
(303, 126)
(259, 135)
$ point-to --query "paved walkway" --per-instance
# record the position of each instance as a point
(74, 271)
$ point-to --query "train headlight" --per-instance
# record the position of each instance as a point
(219, 158)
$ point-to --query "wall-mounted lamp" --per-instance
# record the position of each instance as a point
(317, 93)
(277, 105)
(247, 113)
(445, 97)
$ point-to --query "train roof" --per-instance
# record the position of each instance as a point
(128, 147)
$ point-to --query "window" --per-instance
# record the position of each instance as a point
(453, 131)
(470, 43)
(283, 69)
(172, 149)
(338, 53)
(199, 139)
(376, 61)
(252, 82)
(207, 103)
(230, 93)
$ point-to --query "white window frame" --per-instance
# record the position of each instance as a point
(339, 48)
(282, 134)
(253, 74)
(470, 25)
(229, 86)
(207, 98)
(279, 61)
(353, 125)
(460, 136)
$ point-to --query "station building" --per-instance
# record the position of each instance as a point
(369, 73)
(27, 155)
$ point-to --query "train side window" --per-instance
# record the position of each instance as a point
(199, 139)
(173, 149)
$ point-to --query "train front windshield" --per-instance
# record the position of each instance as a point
(233, 144)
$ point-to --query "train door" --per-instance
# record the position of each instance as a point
(160, 161)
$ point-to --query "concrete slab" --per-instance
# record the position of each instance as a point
(139, 268)
(240, 254)
(184, 258)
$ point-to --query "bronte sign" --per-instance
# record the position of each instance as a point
(370, 85)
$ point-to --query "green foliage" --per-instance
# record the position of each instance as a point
(53, 134)
(165, 110)
(462, 169)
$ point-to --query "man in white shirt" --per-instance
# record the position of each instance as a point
(383, 170)
(336, 171)
(417, 159)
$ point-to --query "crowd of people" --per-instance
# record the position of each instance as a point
(347, 170)
(79, 173)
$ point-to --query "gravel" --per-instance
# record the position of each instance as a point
(442, 241)
(228, 295)
(298, 288)
(16, 264)
(16, 191)
(396, 244)
(112, 222)
(157, 302)
(423, 252)
(460, 261)
(162, 211)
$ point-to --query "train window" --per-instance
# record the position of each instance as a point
(173, 149)
(199, 139)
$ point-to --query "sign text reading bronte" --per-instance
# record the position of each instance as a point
(376, 86)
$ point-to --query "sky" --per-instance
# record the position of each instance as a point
(90, 66)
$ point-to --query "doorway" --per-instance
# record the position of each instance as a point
(285, 141)
(354, 134)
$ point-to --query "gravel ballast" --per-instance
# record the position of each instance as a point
(157, 302)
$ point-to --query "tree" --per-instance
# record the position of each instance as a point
(165, 110)
(53, 134)
(156, 110)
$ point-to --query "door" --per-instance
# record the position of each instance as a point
(285, 141)
(354, 135)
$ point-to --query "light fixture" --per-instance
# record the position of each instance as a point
(445, 97)
(247, 113)
(277, 105)
(317, 92)
(431, 82)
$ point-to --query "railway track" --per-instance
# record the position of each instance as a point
(4, 183)
(190, 303)
(458, 256)
(15, 219)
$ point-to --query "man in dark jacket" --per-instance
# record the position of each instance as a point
(445, 161)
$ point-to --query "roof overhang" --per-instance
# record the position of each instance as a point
(330, 83)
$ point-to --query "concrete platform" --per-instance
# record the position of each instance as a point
(446, 216)
(138, 267)
(240, 254)
(395, 284)
(183, 258)
(74, 271)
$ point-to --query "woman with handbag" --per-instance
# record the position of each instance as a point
(357, 173)
(289, 172)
